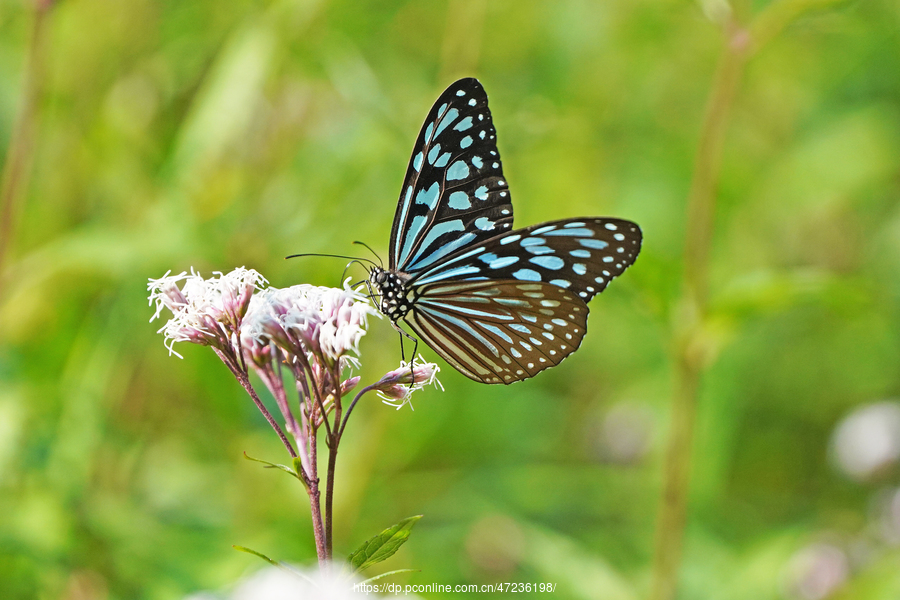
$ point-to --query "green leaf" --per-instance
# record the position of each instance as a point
(283, 566)
(285, 468)
(377, 577)
(255, 553)
(382, 546)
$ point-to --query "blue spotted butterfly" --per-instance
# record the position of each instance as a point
(500, 305)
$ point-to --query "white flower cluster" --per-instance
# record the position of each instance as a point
(204, 311)
(325, 322)
(315, 330)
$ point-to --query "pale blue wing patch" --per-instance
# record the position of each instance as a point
(561, 260)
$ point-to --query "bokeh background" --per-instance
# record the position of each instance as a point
(212, 135)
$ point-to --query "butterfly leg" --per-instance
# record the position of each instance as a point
(415, 342)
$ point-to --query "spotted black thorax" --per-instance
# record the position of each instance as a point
(392, 291)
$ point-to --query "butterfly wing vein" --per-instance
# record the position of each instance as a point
(499, 331)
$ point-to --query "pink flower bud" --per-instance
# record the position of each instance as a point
(400, 383)
(348, 385)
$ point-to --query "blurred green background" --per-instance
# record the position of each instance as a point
(220, 134)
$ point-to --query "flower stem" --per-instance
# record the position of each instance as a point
(245, 381)
(335, 440)
(329, 500)
(314, 502)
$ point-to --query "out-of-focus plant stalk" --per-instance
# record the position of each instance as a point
(17, 167)
(689, 346)
(692, 350)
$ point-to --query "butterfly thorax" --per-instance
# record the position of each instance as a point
(391, 287)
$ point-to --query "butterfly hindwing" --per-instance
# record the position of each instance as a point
(580, 255)
(454, 193)
(499, 331)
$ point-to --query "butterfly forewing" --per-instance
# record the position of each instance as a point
(579, 255)
(454, 193)
(499, 331)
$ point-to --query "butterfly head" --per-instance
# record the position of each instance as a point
(391, 288)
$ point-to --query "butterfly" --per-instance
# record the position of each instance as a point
(500, 305)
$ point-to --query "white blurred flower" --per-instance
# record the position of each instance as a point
(626, 433)
(276, 584)
(273, 583)
(867, 441)
(886, 515)
(204, 311)
(398, 385)
(816, 571)
(717, 11)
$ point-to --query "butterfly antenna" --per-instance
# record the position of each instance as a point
(357, 261)
(372, 251)
(353, 258)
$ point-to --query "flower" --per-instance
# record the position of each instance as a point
(399, 384)
(293, 583)
(263, 323)
(867, 441)
(349, 384)
(344, 313)
(325, 322)
(204, 311)
(816, 571)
